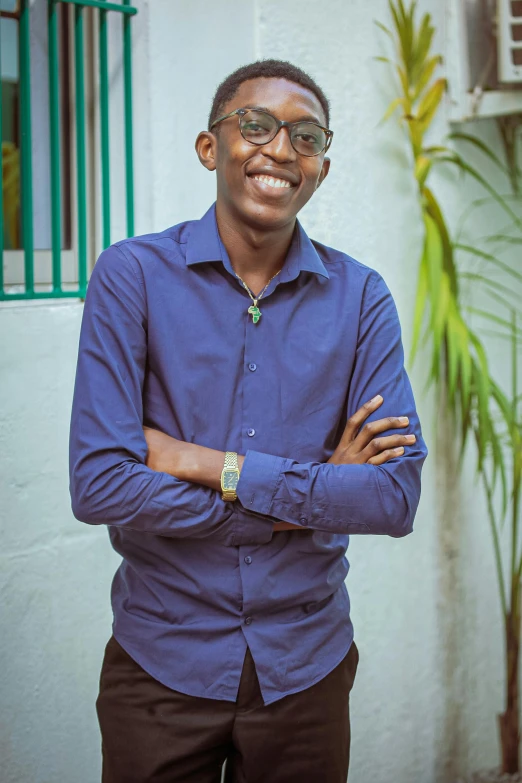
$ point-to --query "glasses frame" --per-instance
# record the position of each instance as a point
(280, 124)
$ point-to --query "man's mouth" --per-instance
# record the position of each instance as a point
(273, 182)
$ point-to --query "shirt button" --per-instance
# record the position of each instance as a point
(303, 521)
(248, 559)
(251, 432)
(248, 620)
(252, 367)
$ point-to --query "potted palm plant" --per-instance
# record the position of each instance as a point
(483, 412)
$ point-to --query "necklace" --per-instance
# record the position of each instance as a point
(254, 310)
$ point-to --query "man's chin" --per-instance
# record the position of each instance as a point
(266, 217)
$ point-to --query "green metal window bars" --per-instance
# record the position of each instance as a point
(104, 7)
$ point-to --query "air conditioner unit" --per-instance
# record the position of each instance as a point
(509, 37)
(483, 58)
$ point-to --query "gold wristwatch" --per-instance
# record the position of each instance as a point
(230, 476)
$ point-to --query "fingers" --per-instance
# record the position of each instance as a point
(387, 443)
(356, 421)
(384, 456)
(373, 428)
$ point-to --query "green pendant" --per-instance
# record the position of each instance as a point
(255, 312)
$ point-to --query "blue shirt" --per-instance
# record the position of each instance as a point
(166, 341)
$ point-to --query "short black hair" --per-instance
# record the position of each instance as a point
(265, 69)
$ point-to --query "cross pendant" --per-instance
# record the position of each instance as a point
(255, 312)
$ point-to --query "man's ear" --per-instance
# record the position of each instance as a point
(206, 148)
(324, 171)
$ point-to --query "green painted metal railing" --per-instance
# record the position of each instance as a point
(103, 7)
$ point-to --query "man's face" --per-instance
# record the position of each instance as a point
(238, 162)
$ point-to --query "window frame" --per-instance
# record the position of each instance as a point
(78, 185)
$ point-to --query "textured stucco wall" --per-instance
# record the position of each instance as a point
(54, 573)
(425, 608)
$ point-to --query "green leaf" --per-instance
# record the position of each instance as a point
(420, 304)
(392, 107)
(421, 47)
(404, 81)
(482, 146)
(439, 322)
(492, 317)
(499, 467)
(462, 337)
(408, 19)
(500, 300)
(505, 408)
(491, 285)
(434, 150)
(482, 386)
(425, 76)
(402, 33)
(505, 238)
(416, 134)
(489, 257)
(430, 102)
(479, 202)
(434, 264)
(453, 354)
(433, 208)
(383, 28)
(499, 335)
(456, 160)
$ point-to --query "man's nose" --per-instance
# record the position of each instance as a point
(280, 148)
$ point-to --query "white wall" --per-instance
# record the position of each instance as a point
(425, 608)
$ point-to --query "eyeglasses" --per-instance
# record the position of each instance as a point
(260, 127)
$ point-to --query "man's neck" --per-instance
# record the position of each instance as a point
(255, 255)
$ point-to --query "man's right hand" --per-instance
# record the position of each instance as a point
(360, 443)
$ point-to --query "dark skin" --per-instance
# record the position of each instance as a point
(256, 222)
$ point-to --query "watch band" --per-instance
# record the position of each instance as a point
(231, 466)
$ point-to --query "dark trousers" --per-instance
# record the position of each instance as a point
(152, 733)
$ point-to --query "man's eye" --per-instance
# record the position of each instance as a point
(308, 138)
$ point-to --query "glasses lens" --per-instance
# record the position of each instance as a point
(308, 138)
(258, 127)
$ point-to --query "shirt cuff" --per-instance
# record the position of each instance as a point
(258, 481)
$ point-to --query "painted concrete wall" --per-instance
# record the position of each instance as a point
(425, 608)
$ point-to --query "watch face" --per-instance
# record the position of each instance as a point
(230, 479)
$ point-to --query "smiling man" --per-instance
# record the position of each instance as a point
(241, 408)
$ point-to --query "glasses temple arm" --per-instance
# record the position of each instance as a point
(224, 117)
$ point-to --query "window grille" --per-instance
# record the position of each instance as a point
(17, 193)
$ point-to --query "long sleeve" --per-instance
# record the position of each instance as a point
(351, 498)
(109, 481)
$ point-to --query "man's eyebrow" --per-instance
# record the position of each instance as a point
(304, 118)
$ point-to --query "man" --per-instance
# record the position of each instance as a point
(224, 426)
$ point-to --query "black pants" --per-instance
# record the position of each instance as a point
(152, 733)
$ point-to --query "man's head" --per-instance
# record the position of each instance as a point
(290, 159)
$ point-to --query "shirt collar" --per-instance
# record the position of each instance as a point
(204, 245)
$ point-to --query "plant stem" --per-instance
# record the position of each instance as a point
(509, 721)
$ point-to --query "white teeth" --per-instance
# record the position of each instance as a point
(274, 183)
